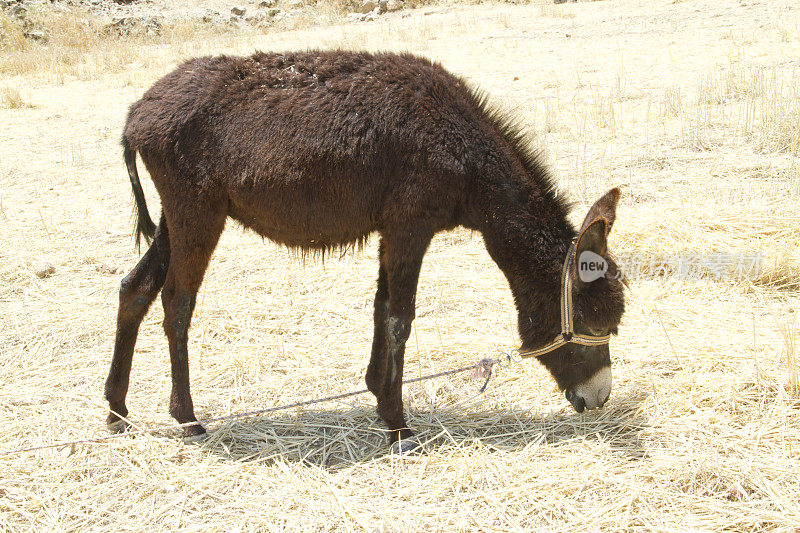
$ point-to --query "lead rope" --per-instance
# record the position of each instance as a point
(483, 370)
(234, 416)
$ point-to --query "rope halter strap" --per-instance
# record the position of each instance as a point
(568, 333)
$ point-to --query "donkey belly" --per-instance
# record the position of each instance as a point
(305, 212)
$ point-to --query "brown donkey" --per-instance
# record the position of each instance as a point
(317, 150)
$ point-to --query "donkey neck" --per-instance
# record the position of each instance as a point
(526, 231)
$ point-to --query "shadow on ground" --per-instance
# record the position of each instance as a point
(339, 438)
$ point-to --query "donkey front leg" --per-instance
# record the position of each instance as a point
(402, 259)
(376, 371)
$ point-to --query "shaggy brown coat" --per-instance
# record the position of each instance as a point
(317, 150)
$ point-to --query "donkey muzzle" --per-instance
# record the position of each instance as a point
(593, 392)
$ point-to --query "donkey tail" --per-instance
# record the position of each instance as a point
(144, 224)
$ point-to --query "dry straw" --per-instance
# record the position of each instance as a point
(689, 105)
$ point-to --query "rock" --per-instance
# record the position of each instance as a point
(106, 269)
(118, 25)
(294, 4)
(43, 269)
(355, 17)
(127, 25)
(238, 11)
(152, 25)
(367, 6)
(381, 9)
(18, 11)
(3, 4)
(394, 5)
(36, 35)
(210, 16)
(266, 4)
(273, 12)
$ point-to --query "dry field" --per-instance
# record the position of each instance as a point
(692, 106)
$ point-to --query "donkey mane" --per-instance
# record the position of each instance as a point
(510, 128)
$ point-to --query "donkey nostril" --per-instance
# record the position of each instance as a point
(603, 398)
(578, 402)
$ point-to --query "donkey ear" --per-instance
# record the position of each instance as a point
(592, 238)
(603, 209)
(589, 263)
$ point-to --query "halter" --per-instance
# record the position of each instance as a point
(568, 333)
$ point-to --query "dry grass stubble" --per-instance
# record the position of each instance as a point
(702, 430)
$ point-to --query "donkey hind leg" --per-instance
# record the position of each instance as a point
(376, 371)
(188, 263)
(403, 254)
(137, 291)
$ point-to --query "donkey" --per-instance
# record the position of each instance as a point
(317, 150)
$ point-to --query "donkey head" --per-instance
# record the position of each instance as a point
(584, 372)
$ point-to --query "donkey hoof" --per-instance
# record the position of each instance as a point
(118, 426)
(195, 439)
(406, 447)
(194, 435)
